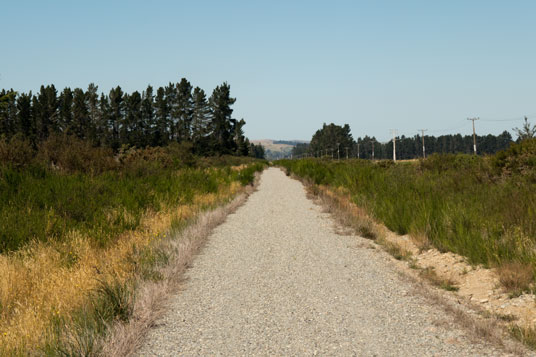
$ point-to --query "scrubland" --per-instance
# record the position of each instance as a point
(483, 208)
(82, 227)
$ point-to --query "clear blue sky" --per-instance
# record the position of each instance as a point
(376, 65)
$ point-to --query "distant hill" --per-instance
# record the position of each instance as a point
(277, 149)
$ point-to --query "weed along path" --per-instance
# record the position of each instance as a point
(276, 279)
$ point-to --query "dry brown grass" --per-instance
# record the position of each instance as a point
(43, 282)
(396, 251)
(430, 275)
(421, 241)
(152, 297)
(344, 211)
(516, 277)
(526, 335)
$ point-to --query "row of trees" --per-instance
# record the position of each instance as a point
(333, 137)
(177, 112)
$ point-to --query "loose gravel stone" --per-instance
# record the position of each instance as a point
(275, 279)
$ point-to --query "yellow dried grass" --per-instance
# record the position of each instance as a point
(45, 280)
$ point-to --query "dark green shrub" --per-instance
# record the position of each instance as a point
(17, 151)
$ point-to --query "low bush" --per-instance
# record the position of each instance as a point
(16, 152)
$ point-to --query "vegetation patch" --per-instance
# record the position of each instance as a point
(430, 275)
(516, 277)
(78, 241)
(478, 207)
(525, 335)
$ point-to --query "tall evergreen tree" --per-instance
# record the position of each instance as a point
(104, 130)
(200, 115)
(221, 128)
(65, 111)
(241, 147)
(81, 125)
(183, 110)
(147, 116)
(26, 124)
(172, 119)
(46, 111)
(526, 131)
(132, 126)
(161, 135)
(116, 116)
(96, 122)
(332, 137)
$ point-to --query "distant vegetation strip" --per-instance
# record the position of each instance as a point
(177, 112)
(80, 226)
(479, 207)
(332, 140)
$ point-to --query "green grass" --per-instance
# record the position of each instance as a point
(482, 208)
(38, 203)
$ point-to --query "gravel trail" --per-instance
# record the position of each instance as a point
(275, 279)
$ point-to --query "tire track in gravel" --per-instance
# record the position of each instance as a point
(275, 279)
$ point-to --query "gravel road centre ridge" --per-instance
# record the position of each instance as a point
(275, 279)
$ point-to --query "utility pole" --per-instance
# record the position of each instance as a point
(394, 132)
(358, 156)
(346, 152)
(423, 150)
(474, 134)
(372, 142)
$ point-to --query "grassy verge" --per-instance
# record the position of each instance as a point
(482, 208)
(76, 244)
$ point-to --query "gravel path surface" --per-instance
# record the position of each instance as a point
(275, 279)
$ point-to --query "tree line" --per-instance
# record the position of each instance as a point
(177, 112)
(330, 138)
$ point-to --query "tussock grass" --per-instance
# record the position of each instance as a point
(430, 275)
(396, 251)
(527, 336)
(516, 277)
(345, 211)
(151, 297)
(60, 293)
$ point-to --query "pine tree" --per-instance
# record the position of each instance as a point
(96, 124)
(25, 120)
(116, 117)
(65, 111)
(81, 125)
(526, 131)
(104, 129)
(172, 118)
(220, 104)
(147, 116)
(46, 111)
(332, 137)
(132, 126)
(241, 148)
(200, 115)
(161, 135)
(183, 110)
